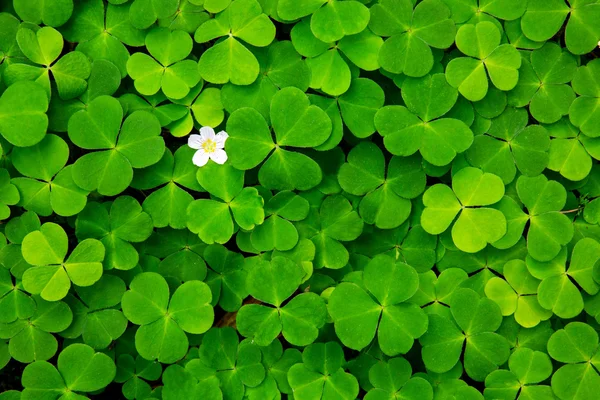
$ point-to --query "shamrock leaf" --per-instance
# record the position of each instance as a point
(116, 225)
(386, 202)
(194, 380)
(98, 323)
(133, 373)
(23, 119)
(509, 144)
(171, 176)
(337, 19)
(226, 277)
(229, 60)
(164, 322)
(296, 123)
(273, 283)
(212, 219)
(548, 228)
(474, 321)
(527, 368)
(487, 56)
(571, 151)
(411, 245)
(236, 365)
(9, 195)
(165, 69)
(475, 227)
(473, 10)
(80, 369)
(559, 290)
(419, 126)
(411, 33)
(320, 375)
(42, 48)
(517, 294)
(335, 222)
(31, 339)
(51, 275)
(144, 13)
(11, 256)
(48, 185)
(584, 112)
(14, 302)
(543, 19)
(102, 31)
(543, 80)
(104, 80)
(576, 346)
(277, 232)
(357, 317)
(393, 379)
(134, 144)
(53, 13)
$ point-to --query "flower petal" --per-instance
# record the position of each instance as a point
(207, 133)
(195, 141)
(220, 139)
(219, 156)
(200, 158)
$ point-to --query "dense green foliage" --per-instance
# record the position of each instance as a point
(300, 199)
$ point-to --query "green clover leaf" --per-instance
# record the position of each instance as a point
(171, 176)
(42, 48)
(53, 13)
(98, 323)
(411, 33)
(472, 10)
(386, 202)
(226, 277)
(576, 346)
(277, 232)
(23, 119)
(584, 111)
(229, 60)
(487, 56)
(548, 228)
(320, 375)
(80, 369)
(116, 225)
(296, 123)
(102, 31)
(273, 283)
(518, 294)
(47, 185)
(134, 144)
(236, 365)
(543, 19)
(357, 317)
(393, 378)
(165, 70)
(509, 145)
(51, 275)
(527, 368)
(543, 79)
(31, 339)
(211, 219)
(419, 126)
(14, 302)
(147, 303)
(133, 373)
(477, 319)
(475, 227)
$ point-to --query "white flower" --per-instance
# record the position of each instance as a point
(208, 145)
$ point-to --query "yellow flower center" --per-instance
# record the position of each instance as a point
(209, 146)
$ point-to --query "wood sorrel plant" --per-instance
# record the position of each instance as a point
(299, 199)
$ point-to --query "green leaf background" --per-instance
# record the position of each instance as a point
(408, 207)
